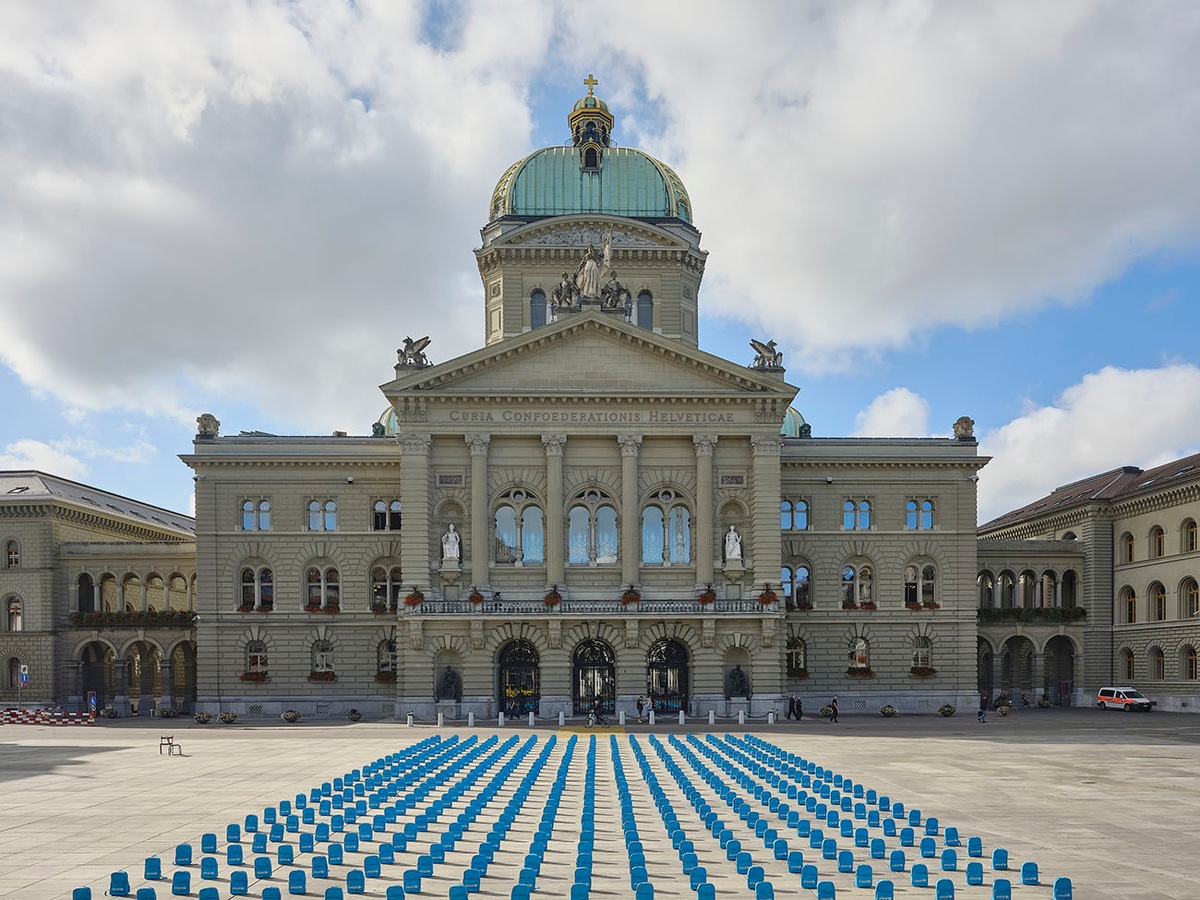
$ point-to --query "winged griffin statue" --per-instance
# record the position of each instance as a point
(766, 356)
(412, 354)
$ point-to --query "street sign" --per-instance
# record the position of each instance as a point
(24, 669)
(92, 701)
(24, 678)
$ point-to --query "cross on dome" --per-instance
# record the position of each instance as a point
(591, 83)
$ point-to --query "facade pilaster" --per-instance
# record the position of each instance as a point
(414, 492)
(555, 444)
(767, 547)
(630, 519)
(166, 682)
(705, 445)
(478, 445)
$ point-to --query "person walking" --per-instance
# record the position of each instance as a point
(983, 705)
(833, 706)
(641, 706)
(799, 708)
(791, 710)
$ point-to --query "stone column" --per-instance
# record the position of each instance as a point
(631, 545)
(166, 683)
(997, 673)
(414, 494)
(705, 445)
(478, 444)
(767, 547)
(1039, 677)
(145, 591)
(76, 702)
(120, 677)
(555, 555)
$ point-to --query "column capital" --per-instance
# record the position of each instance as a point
(478, 443)
(705, 444)
(629, 444)
(766, 445)
(414, 443)
(554, 444)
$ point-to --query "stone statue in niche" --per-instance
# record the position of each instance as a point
(766, 356)
(412, 354)
(736, 683)
(733, 544)
(451, 543)
(450, 685)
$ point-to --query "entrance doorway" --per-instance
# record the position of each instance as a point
(667, 675)
(593, 674)
(519, 687)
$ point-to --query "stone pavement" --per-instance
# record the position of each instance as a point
(1107, 799)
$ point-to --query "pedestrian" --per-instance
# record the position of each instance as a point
(833, 706)
(983, 705)
(641, 706)
(791, 710)
(799, 708)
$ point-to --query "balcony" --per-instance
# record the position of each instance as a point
(592, 608)
(172, 618)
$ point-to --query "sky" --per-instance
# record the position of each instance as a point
(936, 209)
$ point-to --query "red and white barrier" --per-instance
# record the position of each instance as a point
(45, 717)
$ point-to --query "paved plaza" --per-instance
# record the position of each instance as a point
(1107, 799)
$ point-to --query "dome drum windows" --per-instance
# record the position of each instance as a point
(322, 590)
(519, 530)
(666, 530)
(258, 590)
(592, 529)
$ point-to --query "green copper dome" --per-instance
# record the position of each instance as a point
(793, 423)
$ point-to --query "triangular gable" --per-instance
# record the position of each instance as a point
(589, 353)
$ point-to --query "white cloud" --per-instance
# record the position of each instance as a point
(1113, 417)
(31, 454)
(896, 413)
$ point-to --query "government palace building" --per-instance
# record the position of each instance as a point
(589, 509)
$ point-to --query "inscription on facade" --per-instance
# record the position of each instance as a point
(733, 481)
(450, 481)
(600, 417)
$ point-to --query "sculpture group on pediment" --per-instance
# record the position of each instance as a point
(412, 354)
(615, 295)
(566, 295)
(766, 355)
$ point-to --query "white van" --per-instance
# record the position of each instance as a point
(1125, 698)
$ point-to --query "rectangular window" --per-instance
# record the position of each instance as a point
(1130, 610)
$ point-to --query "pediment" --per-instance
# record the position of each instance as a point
(589, 355)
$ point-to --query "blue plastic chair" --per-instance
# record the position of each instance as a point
(181, 883)
(239, 883)
(1062, 888)
(1001, 889)
(885, 890)
(118, 884)
(944, 889)
(1029, 873)
(920, 875)
(974, 873)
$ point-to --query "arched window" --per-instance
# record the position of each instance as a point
(858, 586)
(1189, 663)
(1128, 670)
(1158, 602)
(1128, 606)
(1158, 542)
(12, 555)
(987, 590)
(918, 515)
(322, 658)
(1007, 590)
(519, 532)
(537, 309)
(256, 515)
(14, 673)
(1190, 592)
(797, 657)
(920, 585)
(385, 660)
(256, 658)
(322, 515)
(1027, 595)
(1070, 588)
(797, 585)
(793, 515)
(1126, 547)
(385, 515)
(258, 589)
(856, 515)
(86, 600)
(922, 653)
(16, 618)
(386, 588)
(592, 529)
(1158, 664)
(645, 311)
(1190, 538)
(666, 530)
(322, 590)
(858, 656)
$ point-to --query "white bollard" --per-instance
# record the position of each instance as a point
(681, 717)
(771, 717)
(562, 718)
(712, 717)
(741, 717)
(441, 720)
(470, 720)
(500, 720)
(651, 717)
(410, 720)
(621, 717)
(531, 719)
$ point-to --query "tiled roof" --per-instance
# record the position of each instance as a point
(32, 485)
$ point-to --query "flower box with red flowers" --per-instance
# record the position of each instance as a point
(868, 605)
(859, 673)
(767, 597)
(922, 671)
(930, 604)
(911, 605)
(246, 607)
(630, 596)
(414, 598)
(475, 597)
(312, 607)
(849, 604)
(552, 598)
(708, 595)
(258, 677)
(322, 676)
